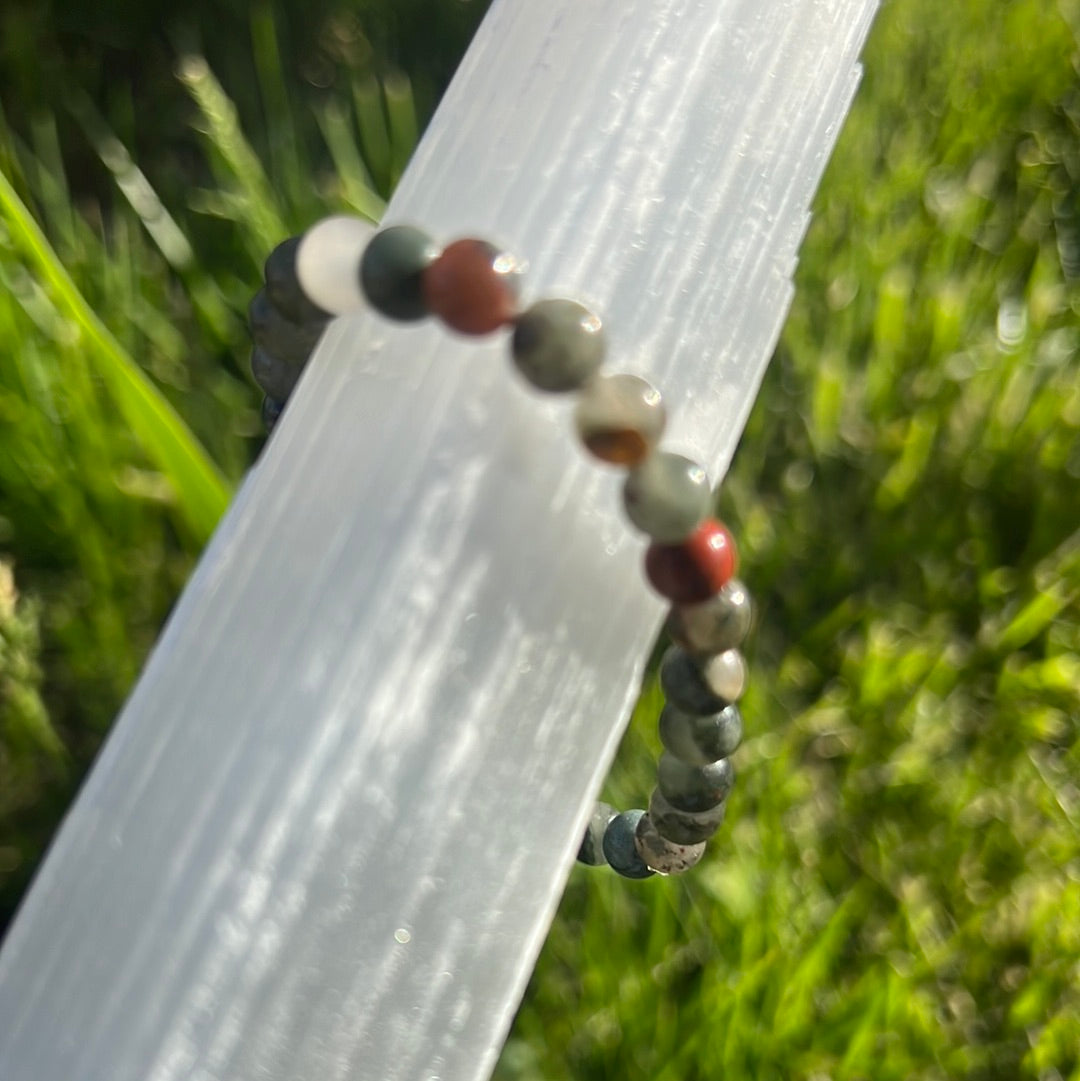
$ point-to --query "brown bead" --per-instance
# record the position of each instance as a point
(694, 570)
(472, 287)
(620, 418)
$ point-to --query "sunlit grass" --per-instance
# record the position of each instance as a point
(897, 891)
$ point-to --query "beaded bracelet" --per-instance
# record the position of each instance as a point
(557, 345)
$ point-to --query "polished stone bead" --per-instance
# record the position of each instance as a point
(725, 675)
(661, 855)
(619, 848)
(694, 788)
(328, 262)
(392, 271)
(276, 377)
(620, 418)
(701, 739)
(667, 496)
(695, 569)
(684, 827)
(558, 345)
(591, 851)
(472, 287)
(271, 410)
(712, 626)
(283, 286)
(684, 686)
(290, 342)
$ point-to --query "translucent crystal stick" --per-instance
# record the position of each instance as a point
(327, 835)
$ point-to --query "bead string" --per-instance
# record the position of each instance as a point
(557, 345)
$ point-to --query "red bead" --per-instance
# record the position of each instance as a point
(695, 569)
(472, 287)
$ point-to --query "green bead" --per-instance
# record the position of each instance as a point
(684, 827)
(619, 848)
(715, 625)
(667, 497)
(699, 740)
(558, 345)
(684, 686)
(392, 268)
(694, 788)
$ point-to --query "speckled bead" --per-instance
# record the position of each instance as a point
(270, 412)
(684, 827)
(620, 418)
(661, 855)
(684, 685)
(558, 345)
(392, 270)
(283, 286)
(699, 740)
(667, 497)
(591, 851)
(275, 377)
(695, 569)
(291, 342)
(472, 287)
(694, 788)
(619, 848)
(721, 622)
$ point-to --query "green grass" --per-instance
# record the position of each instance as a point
(897, 891)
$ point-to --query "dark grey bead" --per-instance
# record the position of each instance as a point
(700, 739)
(684, 827)
(591, 851)
(276, 377)
(712, 626)
(694, 788)
(270, 329)
(271, 410)
(619, 848)
(392, 268)
(667, 496)
(684, 684)
(558, 345)
(283, 287)
(663, 856)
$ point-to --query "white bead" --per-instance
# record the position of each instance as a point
(328, 262)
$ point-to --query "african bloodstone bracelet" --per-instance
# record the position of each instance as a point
(557, 345)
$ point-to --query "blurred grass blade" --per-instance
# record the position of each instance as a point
(200, 491)
(352, 175)
(401, 111)
(374, 138)
(258, 208)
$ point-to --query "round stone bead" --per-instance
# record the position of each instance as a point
(558, 345)
(712, 626)
(283, 286)
(694, 788)
(661, 855)
(699, 740)
(392, 271)
(620, 418)
(472, 287)
(271, 410)
(328, 262)
(684, 827)
(276, 377)
(289, 342)
(725, 675)
(694, 570)
(667, 496)
(591, 851)
(683, 683)
(619, 848)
